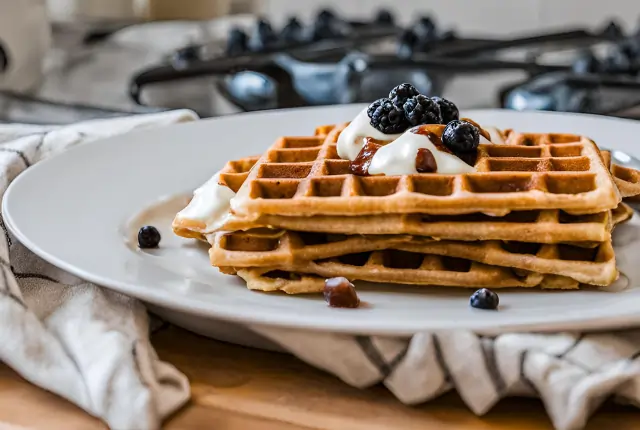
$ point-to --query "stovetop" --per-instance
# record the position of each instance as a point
(244, 64)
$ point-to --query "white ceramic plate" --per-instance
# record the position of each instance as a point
(75, 211)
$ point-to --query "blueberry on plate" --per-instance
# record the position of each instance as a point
(401, 93)
(387, 117)
(148, 237)
(461, 136)
(422, 110)
(484, 298)
(448, 109)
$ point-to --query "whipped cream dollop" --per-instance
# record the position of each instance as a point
(353, 137)
(210, 204)
(399, 156)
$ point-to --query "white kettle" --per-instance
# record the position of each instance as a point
(25, 38)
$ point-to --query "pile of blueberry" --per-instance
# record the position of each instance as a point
(406, 107)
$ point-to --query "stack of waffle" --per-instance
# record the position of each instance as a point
(537, 212)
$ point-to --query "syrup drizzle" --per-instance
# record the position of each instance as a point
(360, 165)
(433, 133)
(482, 131)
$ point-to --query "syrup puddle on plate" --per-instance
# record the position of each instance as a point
(188, 258)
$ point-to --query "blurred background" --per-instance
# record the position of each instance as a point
(67, 60)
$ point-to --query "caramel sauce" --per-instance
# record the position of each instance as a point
(425, 161)
(340, 293)
(360, 166)
(433, 133)
(482, 131)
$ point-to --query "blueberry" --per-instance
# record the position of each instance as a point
(387, 117)
(422, 110)
(461, 136)
(401, 93)
(448, 109)
(484, 298)
(148, 237)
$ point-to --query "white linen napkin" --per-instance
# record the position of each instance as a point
(91, 345)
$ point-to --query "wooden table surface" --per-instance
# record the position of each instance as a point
(236, 388)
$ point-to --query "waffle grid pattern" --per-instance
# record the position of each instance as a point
(537, 212)
(305, 176)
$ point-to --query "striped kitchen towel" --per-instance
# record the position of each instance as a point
(84, 343)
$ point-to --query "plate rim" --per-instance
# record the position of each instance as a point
(213, 311)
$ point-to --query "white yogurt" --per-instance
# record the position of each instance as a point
(399, 157)
(210, 204)
(352, 138)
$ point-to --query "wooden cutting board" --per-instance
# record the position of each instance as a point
(236, 388)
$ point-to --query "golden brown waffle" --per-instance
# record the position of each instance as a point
(278, 247)
(288, 249)
(626, 179)
(305, 176)
(397, 267)
(621, 214)
(546, 226)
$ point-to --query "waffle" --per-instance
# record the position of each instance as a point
(378, 266)
(288, 249)
(546, 226)
(305, 176)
